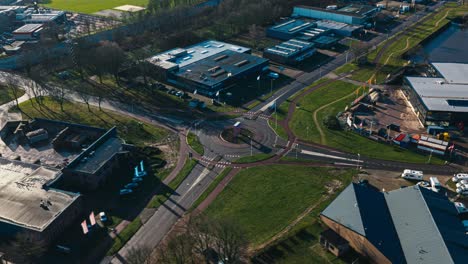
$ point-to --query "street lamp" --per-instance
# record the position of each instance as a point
(297, 149)
(357, 164)
(251, 148)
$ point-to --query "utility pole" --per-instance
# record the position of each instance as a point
(347, 56)
(276, 118)
(357, 166)
(430, 156)
(251, 148)
(297, 149)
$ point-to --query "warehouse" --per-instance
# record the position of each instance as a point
(339, 28)
(208, 67)
(292, 51)
(440, 100)
(352, 14)
(407, 225)
(289, 29)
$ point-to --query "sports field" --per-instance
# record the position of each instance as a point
(91, 6)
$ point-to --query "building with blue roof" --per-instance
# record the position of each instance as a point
(209, 66)
(408, 225)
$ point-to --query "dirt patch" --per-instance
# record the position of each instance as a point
(333, 186)
(169, 155)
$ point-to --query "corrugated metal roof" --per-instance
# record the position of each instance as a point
(417, 232)
(409, 225)
(345, 210)
(452, 72)
(437, 95)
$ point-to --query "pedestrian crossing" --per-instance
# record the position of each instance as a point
(255, 115)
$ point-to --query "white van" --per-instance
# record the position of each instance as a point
(435, 184)
(412, 175)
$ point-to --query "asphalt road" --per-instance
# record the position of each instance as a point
(309, 77)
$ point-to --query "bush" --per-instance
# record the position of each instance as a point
(331, 122)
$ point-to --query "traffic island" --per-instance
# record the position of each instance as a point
(237, 135)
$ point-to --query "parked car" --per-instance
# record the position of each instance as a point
(137, 179)
(125, 191)
(461, 208)
(394, 127)
(131, 186)
(424, 184)
(382, 132)
(103, 217)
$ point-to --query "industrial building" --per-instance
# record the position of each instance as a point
(296, 28)
(85, 155)
(289, 29)
(292, 51)
(28, 204)
(38, 159)
(339, 28)
(28, 32)
(407, 225)
(352, 14)
(441, 99)
(208, 67)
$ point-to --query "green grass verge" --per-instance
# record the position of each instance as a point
(265, 200)
(130, 129)
(211, 187)
(166, 191)
(253, 158)
(343, 140)
(194, 143)
(91, 6)
(6, 95)
(124, 236)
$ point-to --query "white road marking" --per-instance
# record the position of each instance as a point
(200, 178)
(312, 153)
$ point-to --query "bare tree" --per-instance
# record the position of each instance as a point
(139, 255)
(24, 249)
(112, 57)
(84, 94)
(12, 85)
(230, 242)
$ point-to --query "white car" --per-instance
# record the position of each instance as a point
(462, 191)
(460, 208)
(103, 217)
(424, 184)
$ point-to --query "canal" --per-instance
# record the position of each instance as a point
(448, 46)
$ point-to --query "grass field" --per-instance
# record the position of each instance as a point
(265, 200)
(194, 143)
(124, 236)
(7, 96)
(128, 128)
(346, 141)
(166, 191)
(211, 187)
(253, 158)
(90, 6)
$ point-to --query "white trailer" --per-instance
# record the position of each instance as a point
(412, 175)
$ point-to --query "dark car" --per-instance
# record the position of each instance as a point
(382, 132)
(394, 127)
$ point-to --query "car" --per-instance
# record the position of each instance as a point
(172, 91)
(461, 208)
(424, 184)
(382, 132)
(137, 179)
(394, 127)
(131, 185)
(103, 217)
(126, 191)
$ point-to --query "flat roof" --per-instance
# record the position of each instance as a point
(437, 95)
(333, 25)
(325, 40)
(455, 73)
(28, 28)
(22, 187)
(101, 155)
(359, 11)
(219, 67)
(185, 56)
(290, 48)
(292, 26)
